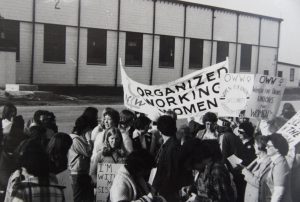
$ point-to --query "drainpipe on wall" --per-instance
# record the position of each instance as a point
(212, 34)
(78, 43)
(153, 40)
(118, 44)
(33, 42)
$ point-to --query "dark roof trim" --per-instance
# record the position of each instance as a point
(289, 64)
(221, 9)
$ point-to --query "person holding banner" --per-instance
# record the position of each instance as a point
(129, 184)
(278, 179)
(113, 151)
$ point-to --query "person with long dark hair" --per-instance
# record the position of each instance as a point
(8, 114)
(33, 180)
(79, 161)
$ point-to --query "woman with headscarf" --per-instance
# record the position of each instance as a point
(112, 152)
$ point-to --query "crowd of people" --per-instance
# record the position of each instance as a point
(192, 162)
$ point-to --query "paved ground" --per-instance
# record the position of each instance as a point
(66, 115)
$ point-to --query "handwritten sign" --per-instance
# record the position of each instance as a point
(265, 97)
(105, 175)
(193, 94)
(235, 92)
(291, 130)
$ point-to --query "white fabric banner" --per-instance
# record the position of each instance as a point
(265, 97)
(235, 92)
(191, 95)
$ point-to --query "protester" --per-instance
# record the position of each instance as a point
(10, 142)
(33, 181)
(129, 183)
(126, 127)
(100, 127)
(79, 161)
(57, 150)
(167, 178)
(278, 179)
(246, 132)
(91, 114)
(213, 181)
(141, 138)
(209, 120)
(113, 151)
(111, 119)
(256, 173)
(8, 113)
(231, 144)
(288, 111)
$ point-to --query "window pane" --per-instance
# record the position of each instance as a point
(196, 53)
(10, 36)
(266, 72)
(246, 51)
(134, 49)
(222, 51)
(96, 51)
(54, 43)
(166, 51)
(279, 74)
(292, 74)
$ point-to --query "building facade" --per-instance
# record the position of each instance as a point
(78, 42)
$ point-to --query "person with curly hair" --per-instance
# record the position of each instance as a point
(112, 152)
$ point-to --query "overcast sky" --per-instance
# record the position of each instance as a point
(288, 10)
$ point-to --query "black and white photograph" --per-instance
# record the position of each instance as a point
(149, 101)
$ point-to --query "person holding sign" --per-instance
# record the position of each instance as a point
(112, 152)
(129, 184)
(278, 179)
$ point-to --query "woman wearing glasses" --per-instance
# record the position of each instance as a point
(278, 179)
(255, 174)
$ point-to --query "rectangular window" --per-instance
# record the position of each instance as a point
(279, 74)
(96, 47)
(166, 51)
(222, 51)
(54, 43)
(134, 49)
(196, 53)
(266, 72)
(246, 52)
(292, 74)
(10, 36)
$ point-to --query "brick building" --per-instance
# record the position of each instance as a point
(77, 42)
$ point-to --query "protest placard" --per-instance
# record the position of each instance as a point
(235, 92)
(291, 130)
(193, 94)
(106, 173)
(265, 97)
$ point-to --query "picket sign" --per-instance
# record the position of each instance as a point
(191, 95)
(265, 97)
(106, 173)
(291, 130)
(235, 92)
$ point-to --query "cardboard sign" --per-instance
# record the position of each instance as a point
(193, 94)
(235, 92)
(291, 130)
(265, 97)
(105, 175)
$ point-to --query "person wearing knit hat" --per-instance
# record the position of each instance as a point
(246, 133)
